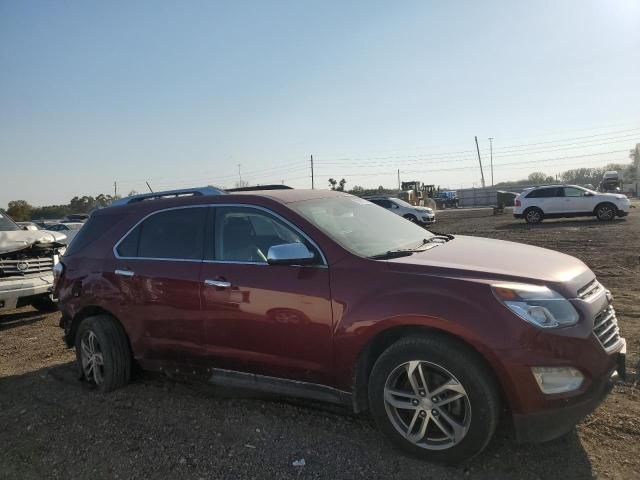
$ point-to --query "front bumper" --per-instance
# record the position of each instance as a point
(548, 425)
(12, 290)
(428, 219)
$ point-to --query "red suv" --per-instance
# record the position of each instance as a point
(323, 295)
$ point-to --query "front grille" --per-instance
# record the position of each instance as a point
(606, 329)
(24, 266)
(589, 290)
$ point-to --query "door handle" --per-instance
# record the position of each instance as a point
(124, 273)
(217, 283)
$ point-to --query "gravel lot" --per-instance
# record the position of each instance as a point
(53, 427)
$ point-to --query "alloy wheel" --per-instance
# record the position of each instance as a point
(91, 358)
(533, 216)
(427, 405)
(605, 213)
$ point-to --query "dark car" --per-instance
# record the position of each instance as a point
(323, 295)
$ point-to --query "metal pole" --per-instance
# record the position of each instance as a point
(480, 162)
(399, 185)
(491, 149)
(115, 189)
(239, 175)
(312, 186)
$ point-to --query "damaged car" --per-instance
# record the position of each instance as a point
(27, 258)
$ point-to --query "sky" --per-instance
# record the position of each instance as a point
(193, 93)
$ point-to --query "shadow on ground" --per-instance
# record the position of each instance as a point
(20, 318)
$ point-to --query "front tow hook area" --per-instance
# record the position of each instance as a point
(621, 362)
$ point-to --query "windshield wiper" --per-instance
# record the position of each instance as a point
(403, 252)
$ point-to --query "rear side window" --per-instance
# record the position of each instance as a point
(172, 234)
(546, 193)
(95, 227)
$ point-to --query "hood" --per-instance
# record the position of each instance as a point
(485, 255)
(619, 196)
(423, 209)
(15, 240)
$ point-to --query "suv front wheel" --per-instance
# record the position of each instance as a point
(433, 399)
(102, 353)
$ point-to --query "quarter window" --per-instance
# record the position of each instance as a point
(171, 234)
(573, 192)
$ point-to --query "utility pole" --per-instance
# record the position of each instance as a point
(115, 189)
(399, 185)
(312, 186)
(491, 148)
(239, 176)
(480, 162)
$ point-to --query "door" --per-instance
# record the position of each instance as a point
(551, 200)
(157, 268)
(576, 201)
(268, 319)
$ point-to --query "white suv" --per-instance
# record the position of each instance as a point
(420, 215)
(553, 201)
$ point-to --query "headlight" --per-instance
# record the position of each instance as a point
(536, 304)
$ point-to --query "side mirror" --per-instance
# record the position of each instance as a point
(588, 194)
(290, 254)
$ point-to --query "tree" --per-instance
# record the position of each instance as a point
(539, 177)
(242, 184)
(338, 186)
(19, 210)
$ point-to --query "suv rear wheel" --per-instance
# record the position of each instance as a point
(533, 215)
(605, 212)
(102, 353)
(433, 399)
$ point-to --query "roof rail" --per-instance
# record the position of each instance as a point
(258, 188)
(196, 192)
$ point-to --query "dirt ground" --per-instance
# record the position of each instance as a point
(53, 427)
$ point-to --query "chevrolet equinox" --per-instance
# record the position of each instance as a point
(323, 295)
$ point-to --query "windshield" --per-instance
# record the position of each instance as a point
(6, 224)
(360, 226)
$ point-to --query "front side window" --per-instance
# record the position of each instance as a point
(245, 234)
(383, 203)
(171, 234)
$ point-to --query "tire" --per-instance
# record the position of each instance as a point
(533, 215)
(109, 366)
(476, 411)
(45, 304)
(605, 212)
(411, 218)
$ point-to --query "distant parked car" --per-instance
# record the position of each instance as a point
(28, 225)
(70, 229)
(76, 217)
(553, 201)
(419, 215)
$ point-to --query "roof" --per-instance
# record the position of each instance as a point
(293, 195)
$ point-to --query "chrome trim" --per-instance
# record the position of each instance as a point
(218, 283)
(124, 273)
(324, 263)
